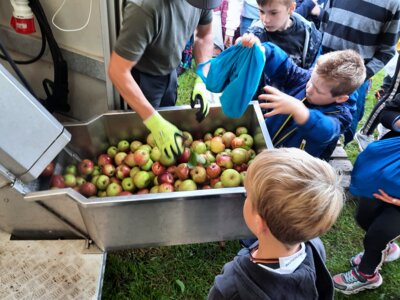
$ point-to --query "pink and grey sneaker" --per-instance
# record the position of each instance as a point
(392, 253)
(353, 282)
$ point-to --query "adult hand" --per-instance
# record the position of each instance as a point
(386, 198)
(281, 103)
(167, 137)
(202, 96)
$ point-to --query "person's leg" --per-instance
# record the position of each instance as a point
(367, 210)
(384, 229)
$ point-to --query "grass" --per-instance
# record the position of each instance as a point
(188, 271)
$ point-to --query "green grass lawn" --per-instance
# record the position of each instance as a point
(188, 271)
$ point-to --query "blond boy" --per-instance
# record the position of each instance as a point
(292, 198)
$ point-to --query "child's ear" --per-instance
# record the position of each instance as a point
(341, 99)
(261, 225)
(292, 7)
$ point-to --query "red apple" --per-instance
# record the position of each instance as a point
(237, 142)
(224, 161)
(165, 178)
(88, 189)
(57, 181)
(141, 157)
(49, 170)
(86, 167)
(213, 170)
(122, 171)
(227, 138)
(130, 160)
(125, 193)
(104, 159)
(184, 158)
(165, 188)
(182, 171)
(142, 191)
(158, 168)
(119, 158)
(108, 169)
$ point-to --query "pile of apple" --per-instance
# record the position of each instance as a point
(218, 160)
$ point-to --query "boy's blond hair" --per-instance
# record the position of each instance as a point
(287, 3)
(297, 195)
(346, 68)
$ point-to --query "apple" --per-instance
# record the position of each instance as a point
(184, 158)
(144, 147)
(150, 140)
(123, 146)
(165, 178)
(198, 174)
(214, 181)
(80, 180)
(218, 185)
(206, 187)
(172, 170)
(154, 190)
(130, 160)
(182, 171)
(152, 175)
(188, 185)
(237, 142)
(251, 153)
(227, 138)
(135, 145)
(71, 169)
(141, 179)
(108, 169)
(88, 189)
(248, 140)
(128, 184)
(122, 171)
(96, 171)
(102, 182)
(199, 147)
(187, 138)
(243, 176)
(49, 170)
(217, 145)
(125, 193)
(207, 137)
(147, 166)
(165, 188)
(158, 168)
(239, 156)
(213, 170)
(133, 171)
(155, 154)
(86, 167)
(225, 161)
(231, 178)
(209, 156)
(120, 157)
(111, 151)
(142, 191)
(208, 144)
(94, 179)
(219, 131)
(101, 194)
(69, 180)
(241, 167)
(113, 189)
(241, 130)
(104, 159)
(177, 183)
(141, 157)
(115, 180)
(57, 181)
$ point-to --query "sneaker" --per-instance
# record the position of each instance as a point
(363, 140)
(353, 282)
(392, 253)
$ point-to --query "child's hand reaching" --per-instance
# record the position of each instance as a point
(249, 39)
(386, 198)
(281, 103)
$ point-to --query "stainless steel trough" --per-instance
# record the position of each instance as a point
(136, 220)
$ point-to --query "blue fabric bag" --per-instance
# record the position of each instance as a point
(377, 167)
(236, 72)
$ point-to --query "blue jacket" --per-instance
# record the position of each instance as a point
(325, 123)
(311, 43)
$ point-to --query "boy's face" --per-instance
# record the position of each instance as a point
(249, 214)
(276, 16)
(318, 90)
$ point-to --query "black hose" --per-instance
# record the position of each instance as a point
(37, 57)
(16, 70)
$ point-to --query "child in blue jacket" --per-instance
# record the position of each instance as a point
(318, 104)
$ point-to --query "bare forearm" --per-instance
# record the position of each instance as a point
(128, 88)
(203, 45)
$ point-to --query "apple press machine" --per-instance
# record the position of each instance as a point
(53, 242)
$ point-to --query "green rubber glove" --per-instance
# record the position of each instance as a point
(167, 137)
(200, 95)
